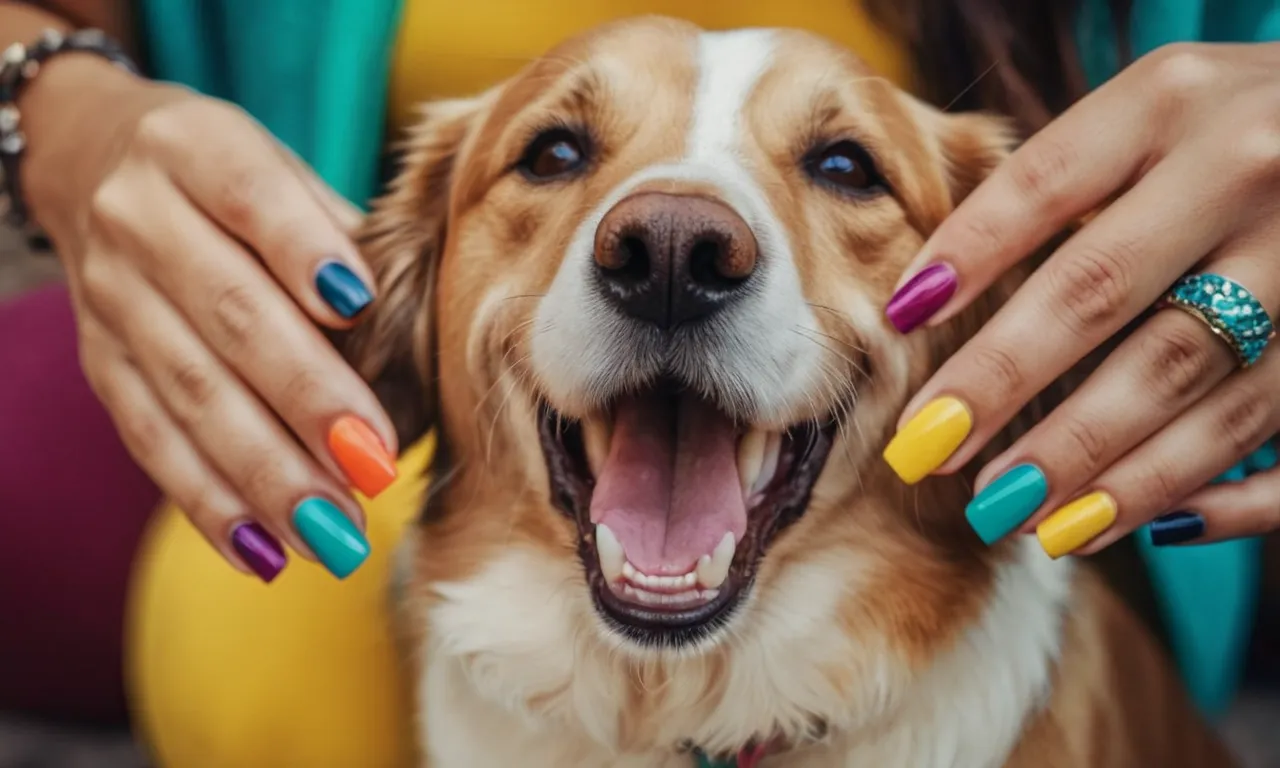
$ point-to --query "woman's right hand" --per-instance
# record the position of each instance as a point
(201, 255)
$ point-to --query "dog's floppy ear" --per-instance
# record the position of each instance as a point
(403, 240)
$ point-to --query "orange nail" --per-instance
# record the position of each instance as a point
(360, 453)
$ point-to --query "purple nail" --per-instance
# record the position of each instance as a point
(259, 549)
(922, 296)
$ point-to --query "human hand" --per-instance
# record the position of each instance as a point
(1187, 142)
(199, 252)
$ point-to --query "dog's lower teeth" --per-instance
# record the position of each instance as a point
(687, 598)
(713, 569)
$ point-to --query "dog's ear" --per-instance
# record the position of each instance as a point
(403, 240)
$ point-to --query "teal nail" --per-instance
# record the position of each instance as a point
(1007, 502)
(331, 535)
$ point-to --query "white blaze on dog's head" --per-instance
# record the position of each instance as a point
(637, 287)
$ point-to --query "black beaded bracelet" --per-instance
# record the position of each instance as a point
(19, 65)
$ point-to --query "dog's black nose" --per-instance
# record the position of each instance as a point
(669, 259)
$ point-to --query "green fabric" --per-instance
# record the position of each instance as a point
(315, 73)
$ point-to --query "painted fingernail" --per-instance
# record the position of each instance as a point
(1263, 459)
(1076, 524)
(342, 290)
(362, 456)
(921, 296)
(1176, 528)
(259, 550)
(331, 535)
(1236, 474)
(928, 439)
(1007, 502)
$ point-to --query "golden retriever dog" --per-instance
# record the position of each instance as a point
(638, 289)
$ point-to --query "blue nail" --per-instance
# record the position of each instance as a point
(342, 290)
(1262, 459)
(1236, 474)
(331, 535)
(1007, 502)
(1176, 528)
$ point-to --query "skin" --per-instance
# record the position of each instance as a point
(190, 239)
(1181, 155)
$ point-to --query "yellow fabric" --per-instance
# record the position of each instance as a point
(452, 48)
(228, 672)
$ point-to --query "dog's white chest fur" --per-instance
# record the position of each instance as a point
(518, 673)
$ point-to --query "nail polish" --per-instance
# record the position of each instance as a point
(928, 439)
(362, 456)
(342, 289)
(1076, 524)
(1007, 502)
(331, 535)
(1263, 459)
(1176, 528)
(921, 296)
(1236, 474)
(259, 550)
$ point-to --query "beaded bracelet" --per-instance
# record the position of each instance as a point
(19, 65)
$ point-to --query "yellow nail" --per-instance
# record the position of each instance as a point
(929, 439)
(1076, 524)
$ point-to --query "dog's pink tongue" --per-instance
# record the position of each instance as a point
(669, 490)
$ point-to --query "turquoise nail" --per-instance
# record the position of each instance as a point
(1007, 502)
(331, 535)
(1263, 459)
(1236, 474)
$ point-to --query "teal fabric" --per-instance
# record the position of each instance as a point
(1207, 593)
(315, 73)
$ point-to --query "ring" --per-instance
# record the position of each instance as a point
(1229, 309)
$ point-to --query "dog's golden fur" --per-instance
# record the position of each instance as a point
(879, 630)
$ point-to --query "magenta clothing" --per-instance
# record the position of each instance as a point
(73, 506)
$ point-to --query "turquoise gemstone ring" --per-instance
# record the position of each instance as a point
(1228, 309)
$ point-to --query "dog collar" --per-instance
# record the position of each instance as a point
(748, 757)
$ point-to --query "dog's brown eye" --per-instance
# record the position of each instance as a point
(552, 155)
(847, 166)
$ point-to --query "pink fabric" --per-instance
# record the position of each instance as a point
(73, 506)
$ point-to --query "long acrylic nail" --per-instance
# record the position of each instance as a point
(362, 456)
(1076, 524)
(1007, 502)
(921, 297)
(259, 550)
(1176, 528)
(342, 289)
(339, 545)
(928, 439)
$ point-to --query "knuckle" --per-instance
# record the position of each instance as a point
(308, 391)
(145, 437)
(111, 207)
(238, 195)
(237, 314)
(1177, 362)
(1086, 440)
(1042, 169)
(1257, 154)
(265, 481)
(98, 286)
(1179, 71)
(1246, 418)
(1088, 288)
(193, 385)
(1162, 485)
(1001, 371)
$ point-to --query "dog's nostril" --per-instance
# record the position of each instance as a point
(711, 265)
(632, 261)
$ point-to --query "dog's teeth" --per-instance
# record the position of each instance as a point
(713, 569)
(750, 457)
(612, 560)
(596, 439)
(768, 464)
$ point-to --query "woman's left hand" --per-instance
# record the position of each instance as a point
(1186, 142)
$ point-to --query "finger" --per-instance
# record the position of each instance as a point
(169, 458)
(346, 215)
(1164, 367)
(1103, 278)
(242, 181)
(1228, 424)
(293, 497)
(1238, 510)
(253, 326)
(1070, 167)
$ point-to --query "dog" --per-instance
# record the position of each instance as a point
(637, 289)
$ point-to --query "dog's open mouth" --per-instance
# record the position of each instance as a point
(675, 505)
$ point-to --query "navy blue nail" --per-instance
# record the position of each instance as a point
(1176, 528)
(342, 290)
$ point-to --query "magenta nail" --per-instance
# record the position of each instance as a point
(921, 297)
(259, 550)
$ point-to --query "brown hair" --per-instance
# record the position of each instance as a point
(1015, 57)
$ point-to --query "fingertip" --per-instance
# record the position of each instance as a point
(342, 290)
